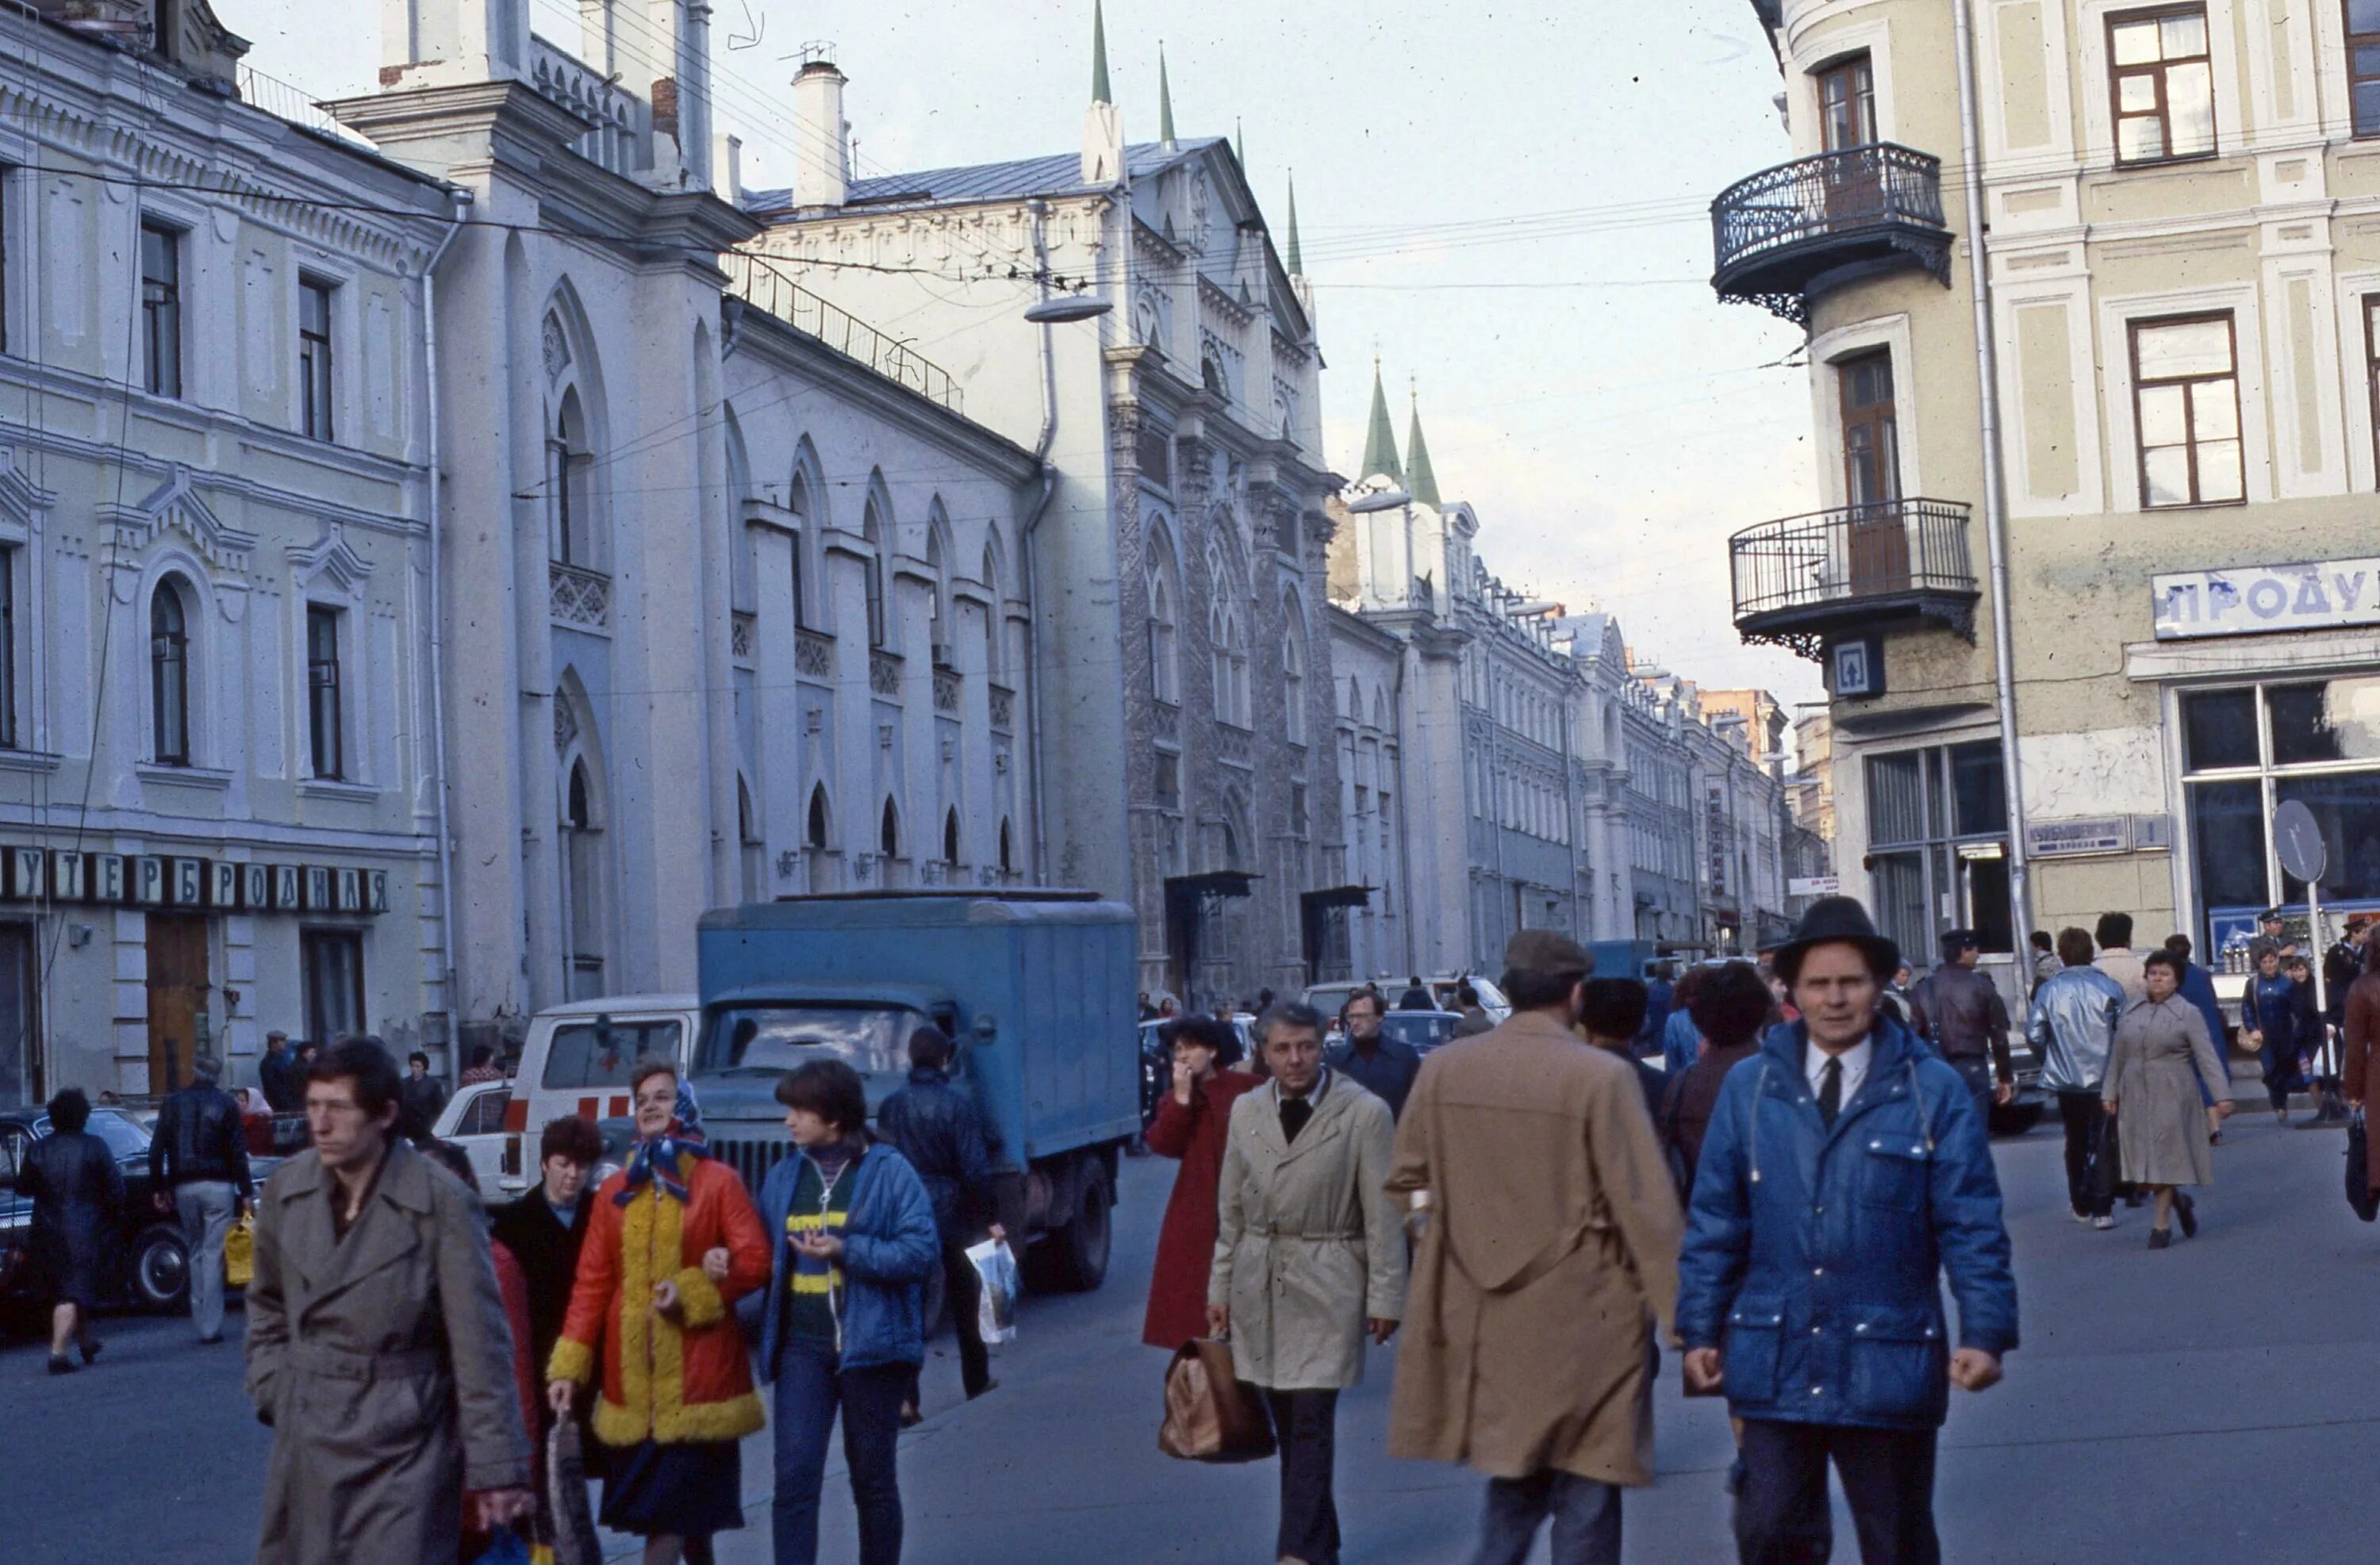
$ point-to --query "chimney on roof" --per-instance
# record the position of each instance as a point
(821, 137)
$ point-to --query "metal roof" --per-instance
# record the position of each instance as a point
(1015, 180)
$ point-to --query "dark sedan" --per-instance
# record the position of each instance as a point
(156, 1272)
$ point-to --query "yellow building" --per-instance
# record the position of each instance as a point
(2174, 465)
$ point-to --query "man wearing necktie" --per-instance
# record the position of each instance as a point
(1846, 1170)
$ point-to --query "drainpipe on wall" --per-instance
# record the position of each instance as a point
(1041, 211)
(1995, 495)
(462, 198)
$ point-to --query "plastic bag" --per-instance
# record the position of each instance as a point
(995, 1270)
(240, 1252)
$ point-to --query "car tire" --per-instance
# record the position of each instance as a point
(1078, 1252)
(159, 1273)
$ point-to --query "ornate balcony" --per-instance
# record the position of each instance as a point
(1803, 580)
(1789, 232)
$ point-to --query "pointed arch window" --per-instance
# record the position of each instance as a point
(797, 501)
(1164, 637)
(993, 609)
(583, 900)
(753, 851)
(871, 530)
(1007, 856)
(1293, 675)
(169, 675)
(1231, 667)
(951, 838)
(937, 628)
(570, 511)
(816, 834)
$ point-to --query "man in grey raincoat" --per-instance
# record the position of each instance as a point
(377, 1348)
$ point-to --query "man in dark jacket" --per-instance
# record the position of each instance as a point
(1845, 1171)
(419, 1099)
(1729, 1009)
(1612, 1016)
(278, 1078)
(198, 1167)
(1961, 1012)
(1416, 996)
(940, 1130)
(1658, 997)
(1382, 1066)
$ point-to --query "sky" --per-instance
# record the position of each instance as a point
(1508, 204)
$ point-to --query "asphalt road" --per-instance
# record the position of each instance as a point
(2211, 1402)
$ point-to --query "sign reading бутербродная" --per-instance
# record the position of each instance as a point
(2322, 595)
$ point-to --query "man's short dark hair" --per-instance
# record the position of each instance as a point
(1377, 1004)
(2115, 930)
(1208, 1033)
(1287, 1013)
(646, 1069)
(69, 1111)
(2179, 945)
(1953, 943)
(482, 1055)
(1614, 1008)
(1466, 994)
(418, 1058)
(364, 1062)
(451, 1157)
(2074, 946)
(2163, 958)
(570, 1137)
(929, 1049)
(2041, 941)
(829, 1088)
(1732, 1004)
(1534, 991)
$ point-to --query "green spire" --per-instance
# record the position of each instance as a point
(1297, 264)
(1380, 444)
(1164, 101)
(1099, 93)
(1240, 143)
(1423, 482)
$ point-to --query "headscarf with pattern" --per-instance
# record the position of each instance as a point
(655, 1159)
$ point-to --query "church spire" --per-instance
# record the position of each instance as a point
(1380, 443)
(1240, 144)
(1422, 481)
(1295, 263)
(1164, 102)
(1099, 93)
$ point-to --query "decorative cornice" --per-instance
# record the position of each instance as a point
(176, 506)
(330, 555)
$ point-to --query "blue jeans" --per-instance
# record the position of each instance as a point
(810, 1384)
(1585, 1513)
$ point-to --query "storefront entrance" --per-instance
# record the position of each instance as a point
(178, 996)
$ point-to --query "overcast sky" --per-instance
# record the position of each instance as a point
(1508, 204)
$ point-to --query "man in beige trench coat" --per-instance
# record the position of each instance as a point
(1548, 1250)
(377, 1347)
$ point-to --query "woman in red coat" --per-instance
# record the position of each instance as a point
(1191, 1123)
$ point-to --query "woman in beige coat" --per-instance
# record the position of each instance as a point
(2162, 1053)
(1309, 1259)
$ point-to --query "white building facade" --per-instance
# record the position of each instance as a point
(218, 755)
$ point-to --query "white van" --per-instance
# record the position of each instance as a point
(576, 1059)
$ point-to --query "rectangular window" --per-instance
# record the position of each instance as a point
(1847, 103)
(1938, 823)
(2162, 85)
(2363, 64)
(2186, 401)
(334, 980)
(322, 695)
(9, 650)
(314, 358)
(161, 308)
(8, 294)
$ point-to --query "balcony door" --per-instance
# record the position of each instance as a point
(1853, 184)
(1876, 538)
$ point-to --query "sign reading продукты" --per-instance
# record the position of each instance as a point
(2322, 595)
(61, 875)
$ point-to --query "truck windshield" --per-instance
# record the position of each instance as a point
(872, 1039)
(601, 1053)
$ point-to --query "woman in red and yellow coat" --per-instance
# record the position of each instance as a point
(673, 1244)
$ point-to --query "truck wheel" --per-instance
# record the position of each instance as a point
(161, 1269)
(1080, 1249)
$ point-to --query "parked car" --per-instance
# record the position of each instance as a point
(156, 1270)
(1328, 998)
(474, 1120)
(1421, 1030)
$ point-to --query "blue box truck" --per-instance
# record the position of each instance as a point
(1035, 986)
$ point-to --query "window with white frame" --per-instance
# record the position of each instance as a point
(2186, 402)
(314, 384)
(325, 716)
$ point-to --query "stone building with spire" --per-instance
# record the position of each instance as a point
(1175, 539)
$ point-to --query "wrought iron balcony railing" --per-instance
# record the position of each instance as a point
(1801, 579)
(1785, 229)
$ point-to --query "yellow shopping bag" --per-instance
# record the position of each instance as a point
(240, 1252)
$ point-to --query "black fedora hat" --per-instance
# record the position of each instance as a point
(1832, 920)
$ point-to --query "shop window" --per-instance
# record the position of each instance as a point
(2163, 83)
(332, 978)
(2248, 749)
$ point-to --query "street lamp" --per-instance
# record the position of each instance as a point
(1062, 307)
(1379, 500)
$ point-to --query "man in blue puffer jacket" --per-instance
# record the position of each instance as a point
(853, 1231)
(1845, 1171)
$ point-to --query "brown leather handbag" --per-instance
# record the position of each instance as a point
(1210, 1413)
